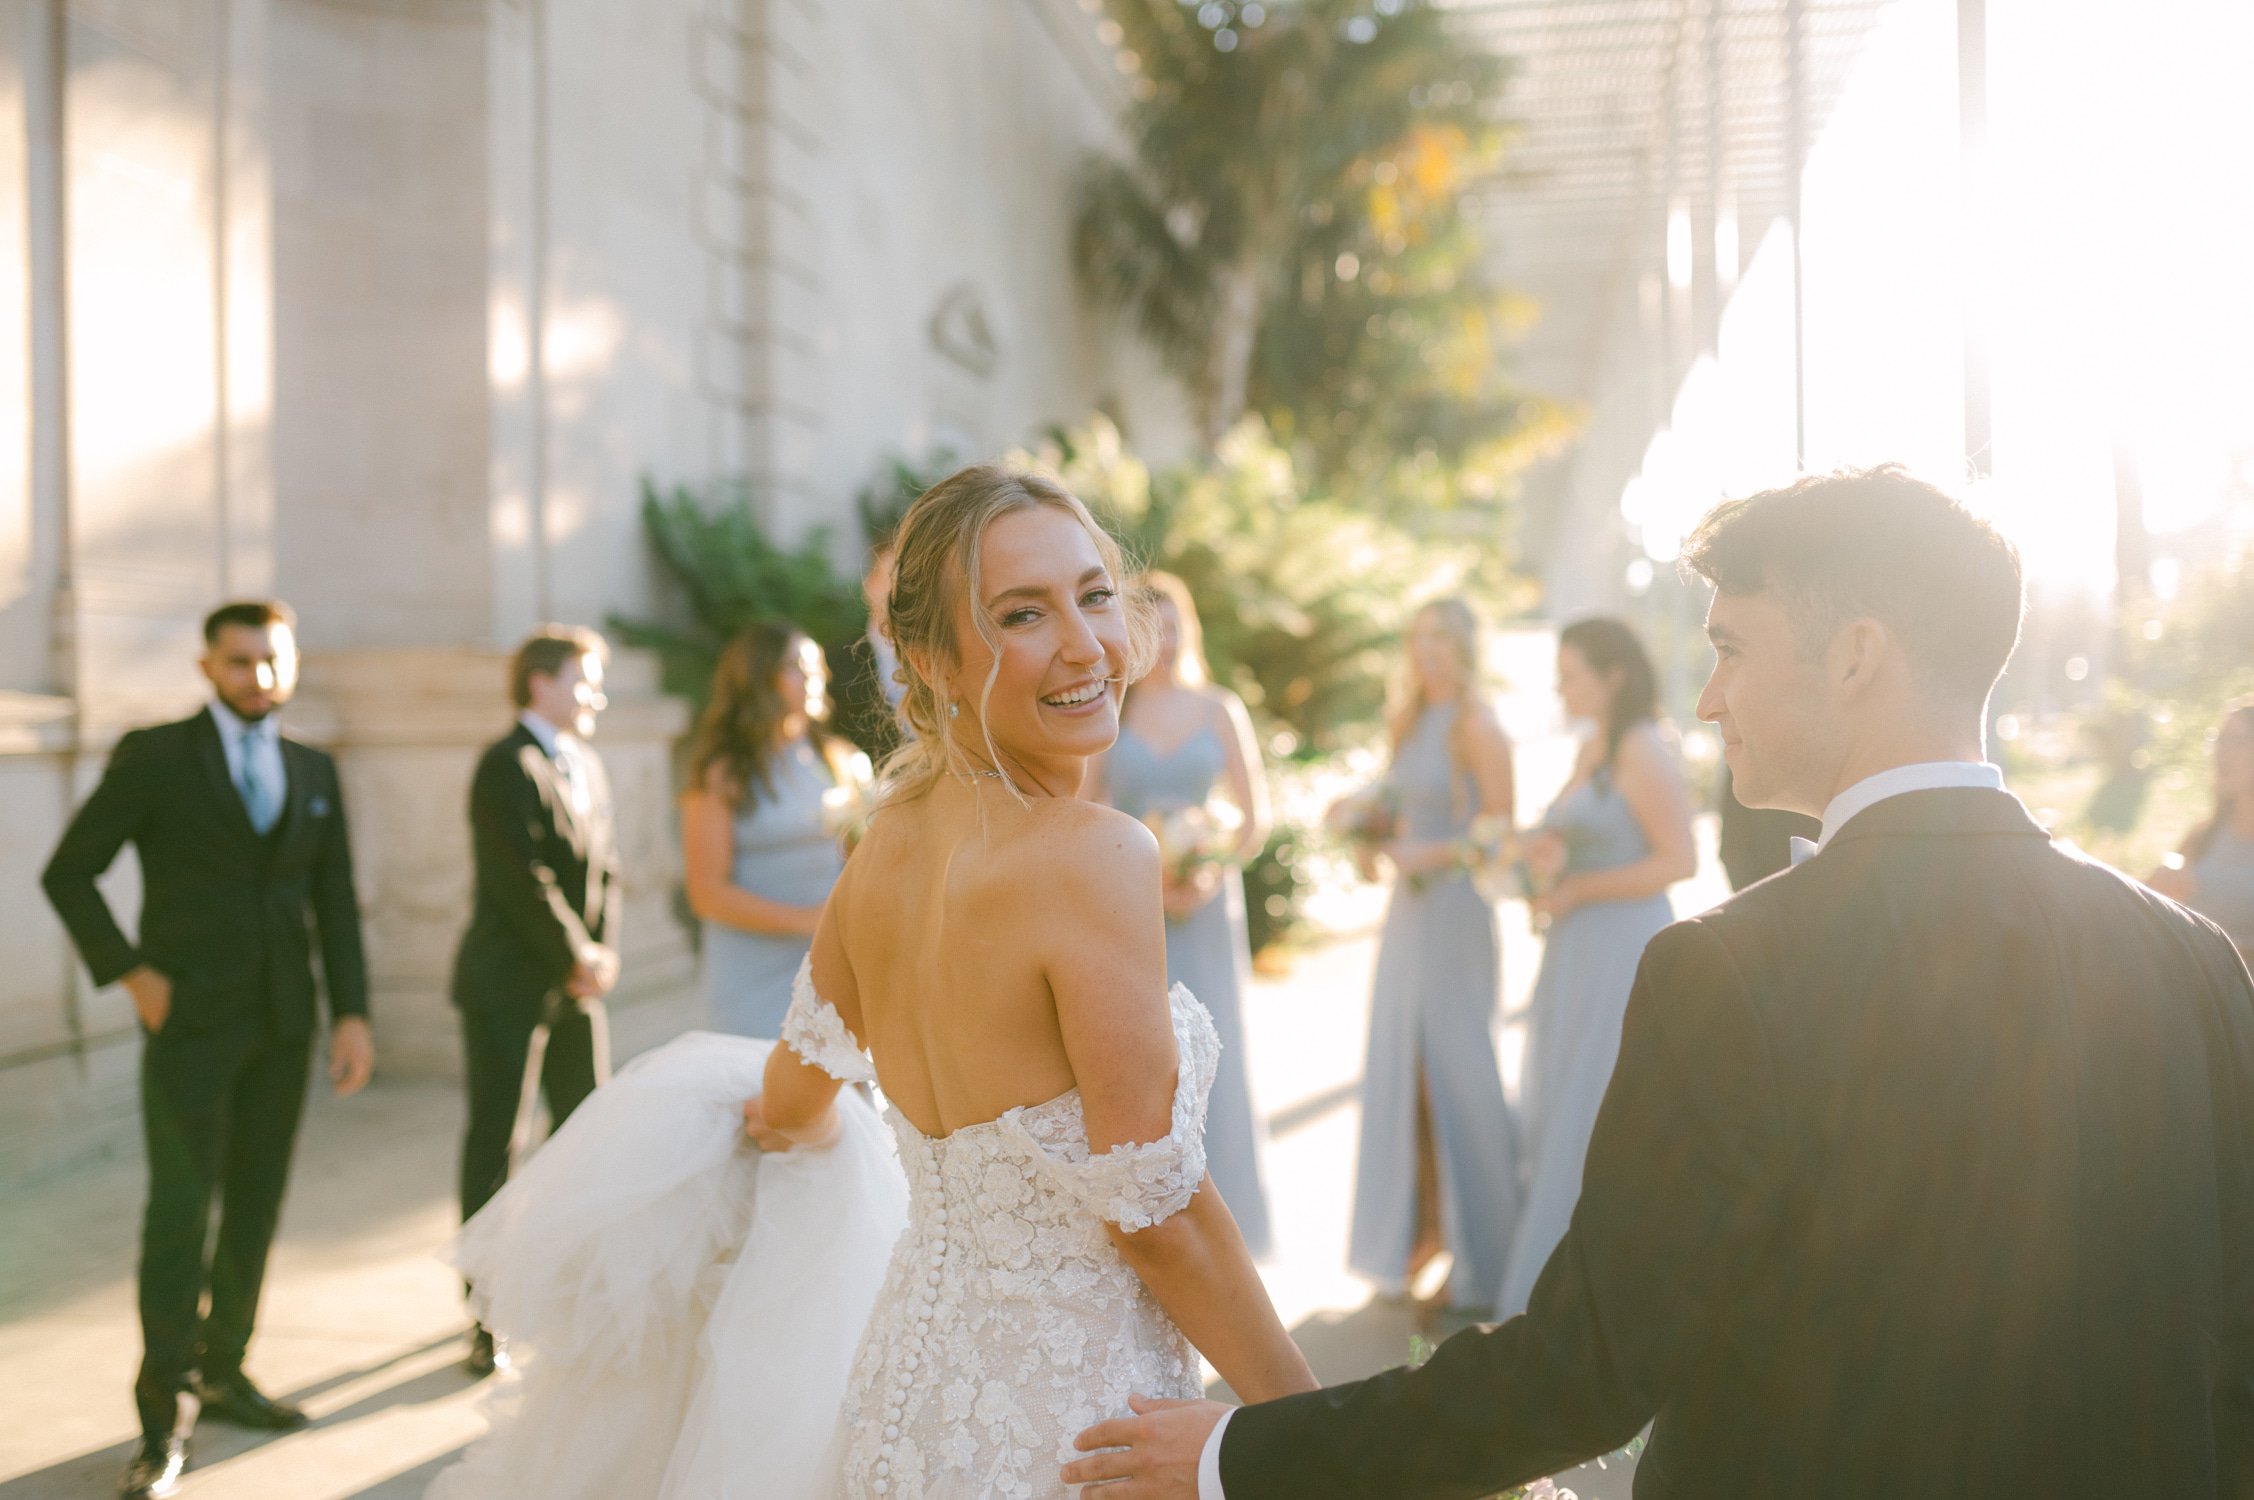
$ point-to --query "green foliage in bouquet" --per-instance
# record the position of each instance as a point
(1275, 889)
(731, 573)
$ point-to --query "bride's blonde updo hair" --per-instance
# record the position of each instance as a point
(936, 561)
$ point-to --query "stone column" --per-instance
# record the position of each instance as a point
(407, 725)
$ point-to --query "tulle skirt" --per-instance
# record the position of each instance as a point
(681, 1308)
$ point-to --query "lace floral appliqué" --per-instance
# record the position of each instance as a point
(1008, 1320)
(1137, 1186)
(814, 1030)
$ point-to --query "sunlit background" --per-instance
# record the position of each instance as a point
(2095, 247)
(2024, 233)
(442, 320)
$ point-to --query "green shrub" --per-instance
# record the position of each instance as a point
(1302, 599)
(2134, 776)
(885, 499)
(731, 574)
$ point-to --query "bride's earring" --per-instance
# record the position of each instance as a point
(954, 710)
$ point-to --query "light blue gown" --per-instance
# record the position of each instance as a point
(784, 853)
(1589, 964)
(1209, 953)
(1433, 1003)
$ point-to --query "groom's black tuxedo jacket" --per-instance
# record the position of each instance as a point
(1927, 1169)
(223, 911)
(546, 879)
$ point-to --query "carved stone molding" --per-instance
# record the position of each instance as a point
(36, 723)
(962, 331)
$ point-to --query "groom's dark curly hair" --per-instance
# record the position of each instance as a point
(1878, 543)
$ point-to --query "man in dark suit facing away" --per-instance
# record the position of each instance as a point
(542, 947)
(1927, 1167)
(240, 834)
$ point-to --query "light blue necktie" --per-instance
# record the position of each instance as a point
(262, 799)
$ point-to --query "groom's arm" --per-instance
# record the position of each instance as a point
(1679, 1191)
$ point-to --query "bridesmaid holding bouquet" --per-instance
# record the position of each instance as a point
(1615, 839)
(1187, 764)
(1438, 1161)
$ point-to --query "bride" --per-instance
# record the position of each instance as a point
(698, 1322)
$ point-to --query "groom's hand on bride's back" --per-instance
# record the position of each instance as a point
(1153, 1454)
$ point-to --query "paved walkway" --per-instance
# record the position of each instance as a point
(365, 1328)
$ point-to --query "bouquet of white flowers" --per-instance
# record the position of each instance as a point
(1190, 838)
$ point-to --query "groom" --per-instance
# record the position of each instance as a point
(1928, 1165)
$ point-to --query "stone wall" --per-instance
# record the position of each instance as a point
(391, 306)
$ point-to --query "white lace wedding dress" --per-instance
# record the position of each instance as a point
(702, 1322)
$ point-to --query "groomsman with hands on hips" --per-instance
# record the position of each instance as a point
(241, 838)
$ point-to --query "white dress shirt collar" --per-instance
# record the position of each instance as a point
(1924, 776)
(546, 733)
(234, 728)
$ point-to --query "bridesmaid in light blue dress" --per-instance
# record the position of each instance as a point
(1437, 1165)
(756, 838)
(1180, 738)
(1615, 839)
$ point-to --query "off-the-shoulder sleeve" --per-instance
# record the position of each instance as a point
(814, 1030)
(1138, 1185)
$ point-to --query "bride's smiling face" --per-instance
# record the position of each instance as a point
(1056, 641)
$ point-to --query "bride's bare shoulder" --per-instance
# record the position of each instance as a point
(1085, 848)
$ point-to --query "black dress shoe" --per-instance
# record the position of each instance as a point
(488, 1355)
(156, 1468)
(232, 1398)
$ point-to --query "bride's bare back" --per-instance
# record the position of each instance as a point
(941, 937)
(961, 925)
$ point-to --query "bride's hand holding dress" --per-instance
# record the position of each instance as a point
(821, 1133)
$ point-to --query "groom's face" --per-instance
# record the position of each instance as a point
(1772, 703)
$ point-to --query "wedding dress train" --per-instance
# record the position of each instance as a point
(699, 1321)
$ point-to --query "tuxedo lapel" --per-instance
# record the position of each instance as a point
(214, 757)
(552, 789)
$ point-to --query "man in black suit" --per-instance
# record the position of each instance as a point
(240, 834)
(541, 950)
(1927, 1167)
